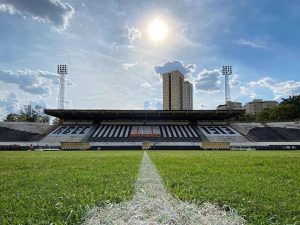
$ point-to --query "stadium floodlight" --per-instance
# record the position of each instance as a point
(227, 71)
(61, 71)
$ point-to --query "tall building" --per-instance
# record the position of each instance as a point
(177, 93)
(257, 105)
(187, 95)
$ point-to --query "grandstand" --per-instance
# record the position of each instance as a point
(151, 129)
(141, 133)
(272, 132)
(21, 131)
(161, 129)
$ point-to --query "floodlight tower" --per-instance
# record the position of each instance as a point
(62, 71)
(227, 71)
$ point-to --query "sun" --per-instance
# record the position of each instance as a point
(157, 30)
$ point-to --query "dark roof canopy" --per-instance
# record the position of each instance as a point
(99, 115)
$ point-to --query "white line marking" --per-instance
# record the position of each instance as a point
(153, 205)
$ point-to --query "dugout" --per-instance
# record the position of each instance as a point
(216, 145)
(75, 145)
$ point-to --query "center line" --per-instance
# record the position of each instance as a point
(153, 205)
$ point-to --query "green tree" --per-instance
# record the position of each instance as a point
(28, 114)
(291, 107)
(287, 110)
(294, 100)
(247, 118)
(264, 115)
(12, 117)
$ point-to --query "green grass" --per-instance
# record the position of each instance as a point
(263, 186)
(57, 187)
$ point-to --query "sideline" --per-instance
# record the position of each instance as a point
(153, 205)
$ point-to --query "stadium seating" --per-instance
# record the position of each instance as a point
(270, 132)
(288, 134)
(21, 131)
(291, 125)
(36, 128)
(139, 133)
(10, 135)
(222, 134)
(69, 134)
(262, 134)
(236, 133)
(244, 128)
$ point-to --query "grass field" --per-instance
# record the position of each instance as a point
(263, 186)
(56, 187)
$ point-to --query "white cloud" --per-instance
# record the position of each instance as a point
(246, 91)
(54, 12)
(8, 9)
(35, 82)
(146, 85)
(153, 104)
(127, 66)
(281, 89)
(202, 106)
(235, 80)
(10, 104)
(253, 44)
(175, 65)
(134, 34)
(208, 81)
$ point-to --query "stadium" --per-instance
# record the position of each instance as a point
(159, 113)
(150, 129)
(173, 166)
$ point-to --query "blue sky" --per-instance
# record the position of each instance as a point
(113, 64)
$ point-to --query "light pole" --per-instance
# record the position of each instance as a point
(61, 71)
(227, 71)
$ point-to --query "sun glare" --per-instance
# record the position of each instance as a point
(157, 30)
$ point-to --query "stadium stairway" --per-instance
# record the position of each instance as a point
(89, 134)
(200, 133)
(41, 136)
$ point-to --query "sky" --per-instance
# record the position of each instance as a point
(113, 62)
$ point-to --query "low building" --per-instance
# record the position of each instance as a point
(257, 105)
(230, 105)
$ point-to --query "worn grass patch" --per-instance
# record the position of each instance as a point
(262, 186)
(57, 187)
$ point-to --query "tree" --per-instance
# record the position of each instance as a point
(247, 118)
(264, 115)
(12, 117)
(294, 100)
(29, 114)
(287, 110)
(291, 107)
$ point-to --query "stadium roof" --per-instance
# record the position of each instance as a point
(98, 115)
